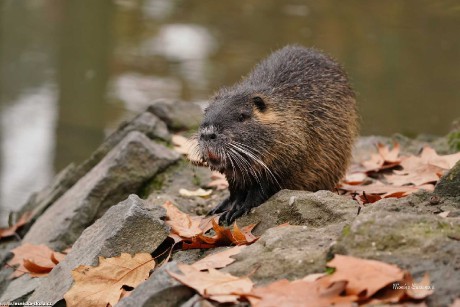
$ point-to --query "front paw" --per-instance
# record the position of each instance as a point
(237, 210)
(225, 205)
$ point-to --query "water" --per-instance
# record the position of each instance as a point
(71, 70)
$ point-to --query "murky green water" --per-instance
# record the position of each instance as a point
(71, 70)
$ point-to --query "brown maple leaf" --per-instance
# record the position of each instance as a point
(182, 224)
(36, 260)
(215, 285)
(299, 293)
(383, 159)
(364, 277)
(103, 284)
(429, 167)
(218, 260)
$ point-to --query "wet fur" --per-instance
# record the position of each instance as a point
(299, 137)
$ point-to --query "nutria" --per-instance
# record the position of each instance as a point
(290, 124)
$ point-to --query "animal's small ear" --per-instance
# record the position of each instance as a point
(259, 103)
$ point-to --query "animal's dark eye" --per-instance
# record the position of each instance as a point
(259, 103)
(243, 116)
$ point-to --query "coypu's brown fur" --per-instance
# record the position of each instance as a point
(290, 124)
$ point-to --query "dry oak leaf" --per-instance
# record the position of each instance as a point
(385, 191)
(199, 192)
(10, 231)
(429, 167)
(215, 285)
(218, 260)
(299, 293)
(383, 159)
(364, 277)
(182, 224)
(102, 285)
(36, 260)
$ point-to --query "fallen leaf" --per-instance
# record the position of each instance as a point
(419, 173)
(218, 180)
(182, 224)
(364, 277)
(199, 192)
(226, 236)
(37, 270)
(430, 156)
(382, 189)
(102, 285)
(36, 260)
(383, 159)
(369, 198)
(428, 167)
(218, 260)
(11, 231)
(444, 214)
(355, 178)
(215, 285)
(299, 293)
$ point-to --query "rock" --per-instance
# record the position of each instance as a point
(416, 242)
(127, 227)
(290, 252)
(159, 290)
(317, 209)
(146, 123)
(123, 171)
(20, 289)
(178, 115)
(449, 184)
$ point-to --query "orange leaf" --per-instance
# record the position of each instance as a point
(102, 285)
(215, 285)
(38, 255)
(218, 260)
(35, 269)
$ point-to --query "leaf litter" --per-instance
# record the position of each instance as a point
(387, 174)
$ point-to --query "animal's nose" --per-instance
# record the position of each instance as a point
(208, 133)
(208, 136)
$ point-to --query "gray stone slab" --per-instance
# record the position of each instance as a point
(146, 123)
(128, 227)
(159, 290)
(122, 172)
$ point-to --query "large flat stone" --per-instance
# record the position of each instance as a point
(317, 209)
(146, 123)
(122, 172)
(128, 227)
(417, 242)
(159, 290)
